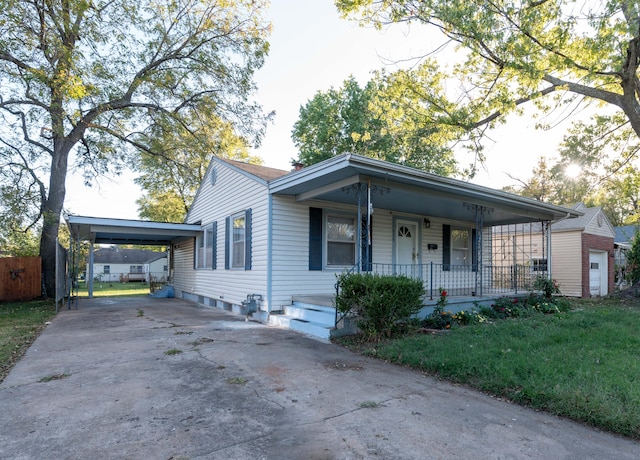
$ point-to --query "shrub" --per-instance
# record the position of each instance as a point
(548, 286)
(384, 304)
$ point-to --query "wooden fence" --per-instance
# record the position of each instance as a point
(20, 278)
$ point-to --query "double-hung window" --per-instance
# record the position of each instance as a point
(460, 246)
(238, 240)
(205, 248)
(341, 240)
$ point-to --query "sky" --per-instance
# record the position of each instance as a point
(311, 50)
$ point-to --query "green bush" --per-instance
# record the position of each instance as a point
(384, 305)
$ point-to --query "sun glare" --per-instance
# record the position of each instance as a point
(572, 170)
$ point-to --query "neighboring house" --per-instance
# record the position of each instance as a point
(116, 264)
(623, 241)
(273, 239)
(582, 249)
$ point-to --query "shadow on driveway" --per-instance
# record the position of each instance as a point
(165, 379)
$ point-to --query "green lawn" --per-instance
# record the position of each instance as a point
(584, 364)
(20, 324)
(114, 289)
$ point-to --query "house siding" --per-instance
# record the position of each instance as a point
(567, 261)
(233, 192)
(290, 246)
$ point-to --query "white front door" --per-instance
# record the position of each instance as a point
(406, 247)
(598, 274)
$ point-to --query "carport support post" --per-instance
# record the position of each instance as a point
(90, 280)
(549, 274)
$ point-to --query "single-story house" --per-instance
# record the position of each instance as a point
(114, 264)
(583, 251)
(272, 242)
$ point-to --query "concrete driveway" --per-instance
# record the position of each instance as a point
(101, 382)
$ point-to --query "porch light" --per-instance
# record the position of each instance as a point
(427, 223)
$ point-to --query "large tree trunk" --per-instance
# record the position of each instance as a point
(51, 211)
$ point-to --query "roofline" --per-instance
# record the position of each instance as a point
(393, 170)
(110, 222)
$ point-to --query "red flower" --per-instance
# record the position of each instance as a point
(443, 293)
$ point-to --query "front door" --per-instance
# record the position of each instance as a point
(406, 247)
(597, 274)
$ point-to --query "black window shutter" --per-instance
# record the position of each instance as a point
(214, 244)
(368, 262)
(227, 242)
(315, 238)
(474, 250)
(446, 248)
(195, 253)
(247, 239)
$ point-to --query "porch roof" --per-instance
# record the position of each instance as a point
(403, 189)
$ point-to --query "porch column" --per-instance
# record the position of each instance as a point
(479, 232)
(90, 275)
(549, 274)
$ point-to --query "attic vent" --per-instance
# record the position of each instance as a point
(213, 176)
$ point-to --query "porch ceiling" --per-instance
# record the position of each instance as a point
(401, 189)
(118, 231)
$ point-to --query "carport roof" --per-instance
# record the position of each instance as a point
(99, 230)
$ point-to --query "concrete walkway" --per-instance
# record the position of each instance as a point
(101, 383)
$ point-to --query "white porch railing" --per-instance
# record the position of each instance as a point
(466, 280)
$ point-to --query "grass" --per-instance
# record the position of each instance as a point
(20, 324)
(583, 364)
(113, 289)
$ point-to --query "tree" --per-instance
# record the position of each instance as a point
(92, 79)
(171, 176)
(517, 52)
(382, 120)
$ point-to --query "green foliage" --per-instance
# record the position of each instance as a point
(382, 120)
(171, 175)
(92, 84)
(633, 260)
(384, 305)
(550, 54)
(549, 287)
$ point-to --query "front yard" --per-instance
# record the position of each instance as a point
(583, 364)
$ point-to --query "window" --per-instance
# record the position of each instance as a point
(106, 269)
(460, 239)
(341, 240)
(205, 245)
(238, 241)
(539, 265)
(135, 269)
(200, 252)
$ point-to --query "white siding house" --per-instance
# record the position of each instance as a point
(114, 264)
(271, 239)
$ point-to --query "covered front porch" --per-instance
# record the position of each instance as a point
(367, 215)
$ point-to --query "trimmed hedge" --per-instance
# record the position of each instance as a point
(384, 304)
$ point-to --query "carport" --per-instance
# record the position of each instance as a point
(99, 230)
